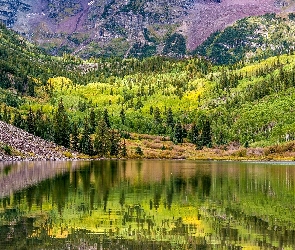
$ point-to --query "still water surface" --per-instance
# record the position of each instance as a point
(147, 204)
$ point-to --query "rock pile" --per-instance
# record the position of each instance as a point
(25, 146)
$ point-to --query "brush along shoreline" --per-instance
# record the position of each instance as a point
(18, 145)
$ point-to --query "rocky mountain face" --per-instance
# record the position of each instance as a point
(126, 28)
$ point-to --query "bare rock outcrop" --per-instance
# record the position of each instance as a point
(27, 146)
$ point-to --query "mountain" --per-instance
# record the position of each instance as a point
(126, 28)
(251, 39)
(112, 106)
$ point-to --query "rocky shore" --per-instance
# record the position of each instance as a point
(16, 145)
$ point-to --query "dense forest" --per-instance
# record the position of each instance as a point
(93, 105)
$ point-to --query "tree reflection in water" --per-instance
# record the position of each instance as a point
(153, 205)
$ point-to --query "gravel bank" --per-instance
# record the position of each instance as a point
(26, 146)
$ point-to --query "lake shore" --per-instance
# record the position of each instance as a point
(18, 145)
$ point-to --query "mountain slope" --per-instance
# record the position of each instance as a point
(125, 28)
(110, 100)
(251, 39)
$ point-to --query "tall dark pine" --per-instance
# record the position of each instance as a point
(102, 139)
(178, 133)
(206, 136)
(106, 118)
(114, 143)
(169, 118)
(61, 126)
(31, 122)
(92, 121)
(75, 137)
(85, 142)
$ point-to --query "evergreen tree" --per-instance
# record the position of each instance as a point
(206, 136)
(75, 137)
(92, 121)
(194, 134)
(122, 116)
(18, 120)
(157, 116)
(6, 114)
(178, 133)
(124, 149)
(102, 139)
(85, 142)
(61, 126)
(39, 124)
(114, 143)
(169, 118)
(106, 118)
(31, 122)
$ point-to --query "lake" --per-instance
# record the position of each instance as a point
(147, 204)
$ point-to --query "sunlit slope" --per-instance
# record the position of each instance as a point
(246, 103)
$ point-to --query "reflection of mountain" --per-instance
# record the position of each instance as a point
(160, 200)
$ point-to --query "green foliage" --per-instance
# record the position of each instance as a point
(86, 104)
(251, 38)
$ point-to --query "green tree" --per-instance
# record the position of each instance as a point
(114, 143)
(85, 142)
(106, 118)
(92, 121)
(61, 126)
(102, 139)
(75, 137)
(31, 122)
(169, 118)
(178, 133)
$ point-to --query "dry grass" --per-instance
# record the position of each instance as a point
(157, 147)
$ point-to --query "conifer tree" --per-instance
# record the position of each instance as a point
(102, 139)
(85, 142)
(92, 121)
(178, 133)
(122, 116)
(61, 126)
(75, 137)
(114, 143)
(124, 149)
(169, 118)
(106, 118)
(31, 122)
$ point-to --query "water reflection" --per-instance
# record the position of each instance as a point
(147, 205)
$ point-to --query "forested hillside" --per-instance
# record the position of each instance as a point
(97, 106)
(251, 39)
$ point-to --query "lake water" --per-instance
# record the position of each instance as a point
(147, 204)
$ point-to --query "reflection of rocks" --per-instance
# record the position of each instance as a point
(17, 176)
(28, 146)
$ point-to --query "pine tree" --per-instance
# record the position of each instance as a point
(61, 126)
(31, 122)
(18, 120)
(206, 136)
(178, 134)
(169, 118)
(194, 134)
(75, 137)
(85, 142)
(106, 118)
(157, 116)
(122, 115)
(114, 143)
(102, 139)
(92, 121)
(124, 149)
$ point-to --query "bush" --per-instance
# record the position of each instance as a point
(7, 149)
(138, 151)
